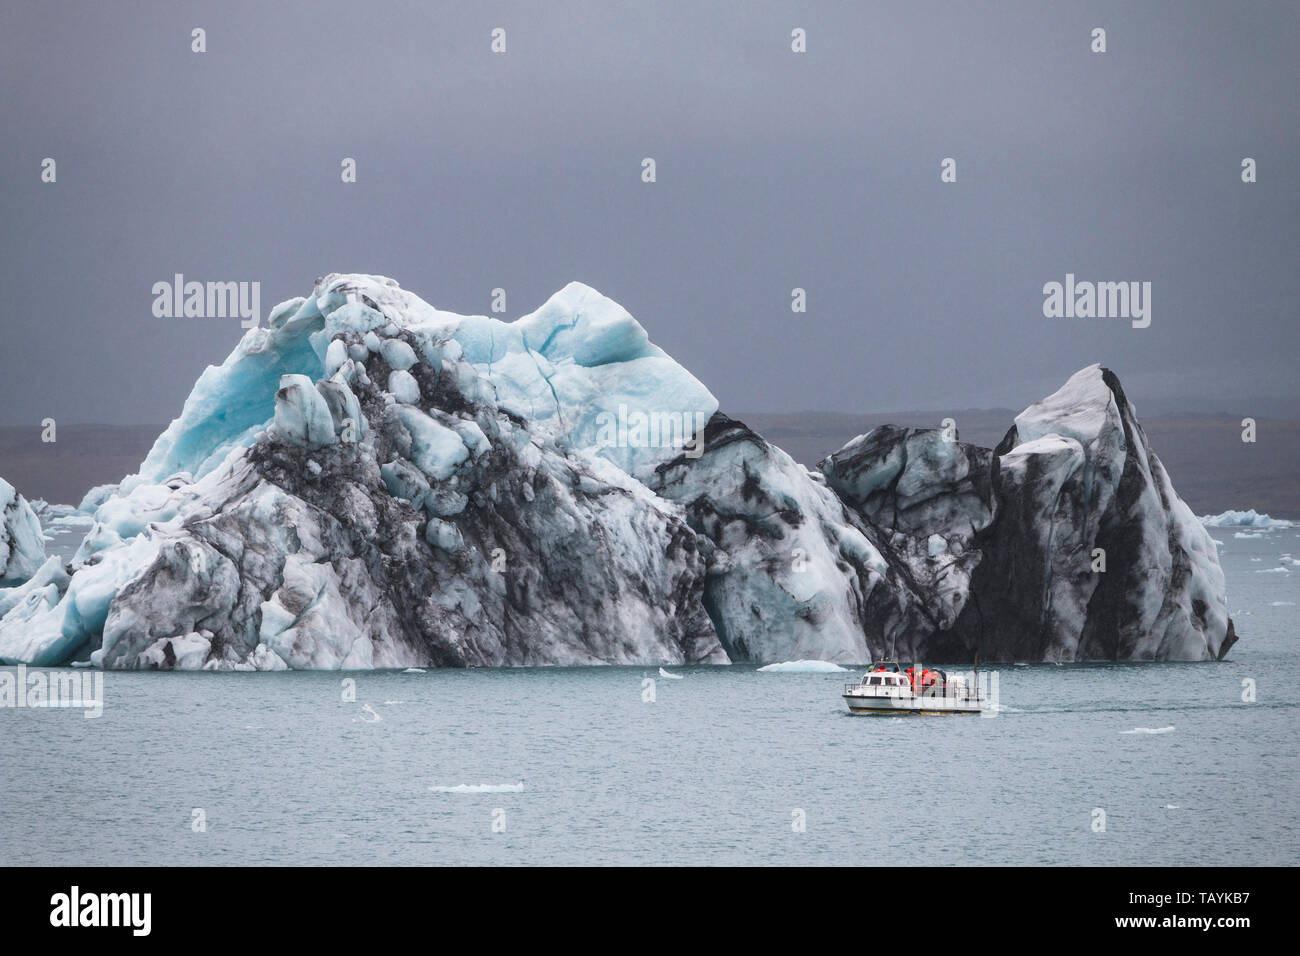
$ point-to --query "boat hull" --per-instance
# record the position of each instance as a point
(898, 706)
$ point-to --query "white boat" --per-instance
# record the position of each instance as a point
(889, 691)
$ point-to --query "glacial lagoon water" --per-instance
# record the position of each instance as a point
(726, 766)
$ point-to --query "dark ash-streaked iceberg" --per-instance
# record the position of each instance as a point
(22, 543)
(1066, 542)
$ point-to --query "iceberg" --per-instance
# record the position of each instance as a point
(298, 515)
(1091, 554)
(370, 482)
(1066, 542)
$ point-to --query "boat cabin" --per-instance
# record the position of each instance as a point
(884, 679)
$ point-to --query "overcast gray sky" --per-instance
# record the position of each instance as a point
(775, 170)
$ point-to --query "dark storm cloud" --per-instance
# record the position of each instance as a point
(775, 170)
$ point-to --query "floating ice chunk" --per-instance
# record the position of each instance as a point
(1243, 519)
(1149, 730)
(1247, 536)
(73, 521)
(669, 675)
(1277, 570)
(802, 667)
(481, 788)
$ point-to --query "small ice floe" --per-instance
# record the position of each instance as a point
(1171, 806)
(1277, 570)
(482, 788)
(1247, 536)
(670, 676)
(1149, 730)
(413, 670)
(390, 703)
(368, 715)
(1283, 604)
(1243, 519)
(73, 521)
(801, 667)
